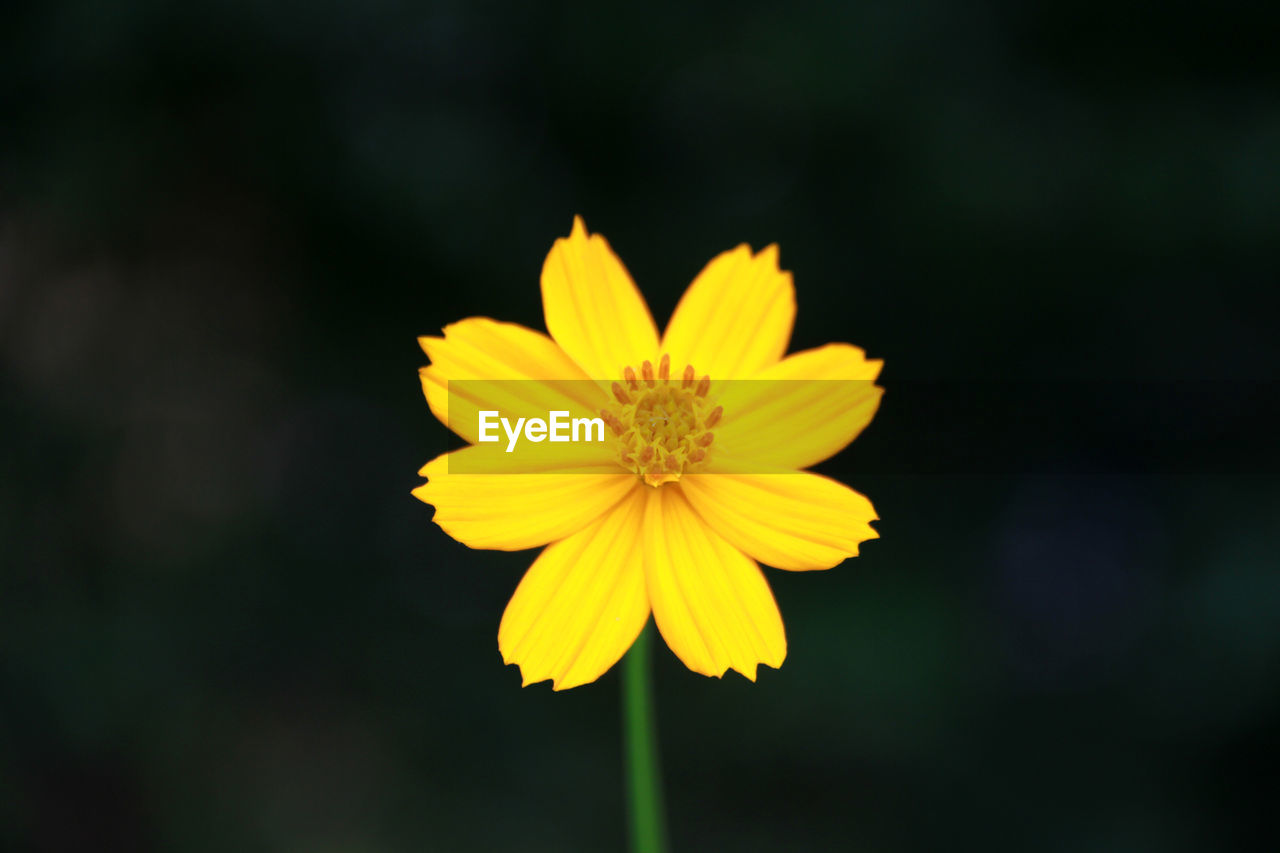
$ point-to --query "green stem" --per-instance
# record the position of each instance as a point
(644, 782)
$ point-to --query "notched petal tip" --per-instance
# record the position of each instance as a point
(753, 674)
(735, 318)
(427, 341)
(591, 306)
(580, 605)
(870, 534)
(558, 683)
(463, 324)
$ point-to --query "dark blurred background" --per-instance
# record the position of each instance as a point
(226, 625)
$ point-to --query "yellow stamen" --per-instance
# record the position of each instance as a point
(661, 429)
(612, 420)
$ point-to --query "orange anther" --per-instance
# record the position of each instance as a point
(613, 422)
(661, 431)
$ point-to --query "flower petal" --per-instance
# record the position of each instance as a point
(512, 511)
(711, 601)
(792, 521)
(484, 357)
(581, 604)
(736, 317)
(592, 308)
(804, 409)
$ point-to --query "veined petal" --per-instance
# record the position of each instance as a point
(502, 366)
(490, 458)
(592, 308)
(804, 409)
(736, 317)
(711, 601)
(793, 521)
(582, 603)
(512, 511)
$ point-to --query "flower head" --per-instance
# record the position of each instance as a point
(700, 477)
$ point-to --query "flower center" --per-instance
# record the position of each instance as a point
(662, 427)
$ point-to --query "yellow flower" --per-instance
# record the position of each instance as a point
(672, 515)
